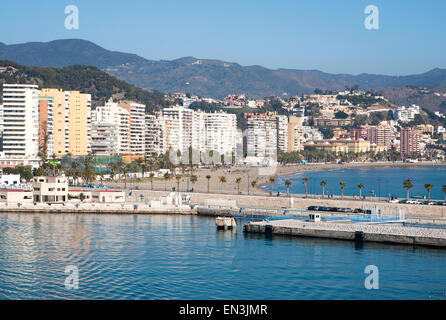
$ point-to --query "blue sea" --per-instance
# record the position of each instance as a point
(378, 181)
(185, 257)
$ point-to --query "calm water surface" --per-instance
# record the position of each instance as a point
(383, 181)
(184, 257)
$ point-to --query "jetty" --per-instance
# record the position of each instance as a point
(384, 232)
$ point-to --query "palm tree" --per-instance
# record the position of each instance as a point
(272, 180)
(222, 180)
(444, 190)
(178, 177)
(323, 184)
(428, 187)
(209, 179)
(166, 178)
(193, 179)
(305, 180)
(407, 184)
(238, 180)
(288, 185)
(253, 183)
(151, 176)
(342, 184)
(360, 186)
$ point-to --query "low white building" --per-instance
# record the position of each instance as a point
(50, 189)
(9, 179)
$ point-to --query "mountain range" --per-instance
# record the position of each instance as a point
(204, 77)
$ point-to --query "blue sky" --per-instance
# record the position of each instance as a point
(302, 34)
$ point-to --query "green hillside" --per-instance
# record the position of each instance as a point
(85, 79)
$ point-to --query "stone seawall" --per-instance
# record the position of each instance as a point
(410, 210)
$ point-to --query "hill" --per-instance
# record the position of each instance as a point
(212, 78)
(82, 78)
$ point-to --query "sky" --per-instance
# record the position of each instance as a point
(326, 35)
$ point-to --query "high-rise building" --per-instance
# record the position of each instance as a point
(220, 133)
(111, 114)
(409, 141)
(79, 123)
(380, 135)
(154, 135)
(20, 121)
(53, 122)
(260, 135)
(137, 126)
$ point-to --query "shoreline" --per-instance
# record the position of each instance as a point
(283, 172)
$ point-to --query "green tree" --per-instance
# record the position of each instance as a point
(151, 177)
(407, 184)
(222, 181)
(342, 184)
(288, 185)
(272, 180)
(238, 180)
(208, 177)
(323, 185)
(178, 178)
(360, 186)
(428, 187)
(305, 180)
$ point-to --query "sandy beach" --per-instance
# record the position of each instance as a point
(247, 175)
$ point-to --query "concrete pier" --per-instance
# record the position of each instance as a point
(385, 233)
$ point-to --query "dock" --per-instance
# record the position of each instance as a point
(362, 232)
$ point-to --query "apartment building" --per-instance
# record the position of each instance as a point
(79, 123)
(380, 135)
(260, 135)
(20, 121)
(108, 118)
(54, 122)
(409, 141)
(220, 133)
(137, 126)
(154, 135)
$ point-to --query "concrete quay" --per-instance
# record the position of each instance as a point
(243, 201)
(97, 208)
(384, 233)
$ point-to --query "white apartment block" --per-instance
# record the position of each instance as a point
(260, 135)
(137, 126)
(20, 120)
(154, 135)
(406, 114)
(111, 115)
(221, 133)
(178, 128)
(104, 139)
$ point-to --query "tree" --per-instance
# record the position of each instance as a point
(178, 178)
(193, 179)
(253, 183)
(323, 185)
(288, 185)
(222, 180)
(208, 177)
(167, 177)
(151, 176)
(360, 186)
(272, 180)
(428, 187)
(305, 180)
(341, 115)
(342, 184)
(443, 188)
(238, 180)
(407, 184)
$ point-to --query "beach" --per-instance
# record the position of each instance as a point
(247, 175)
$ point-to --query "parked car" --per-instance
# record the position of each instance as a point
(313, 208)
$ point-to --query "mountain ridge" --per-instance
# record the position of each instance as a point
(204, 77)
